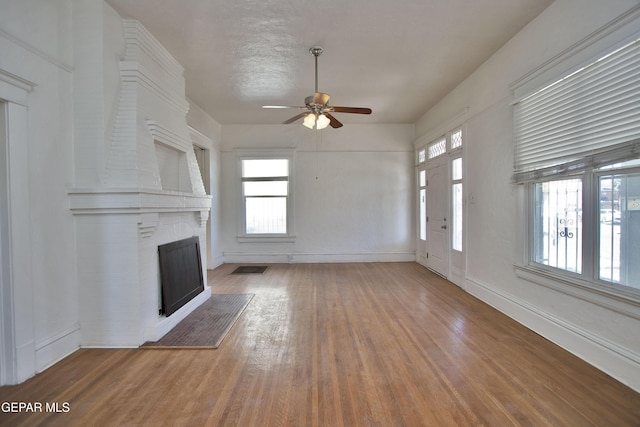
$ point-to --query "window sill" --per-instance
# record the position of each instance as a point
(266, 238)
(623, 301)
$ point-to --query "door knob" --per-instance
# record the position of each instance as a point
(444, 227)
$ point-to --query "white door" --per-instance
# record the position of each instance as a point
(437, 224)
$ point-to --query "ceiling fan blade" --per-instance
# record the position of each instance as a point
(294, 118)
(321, 98)
(282, 106)
(333, 122)
(355, 110)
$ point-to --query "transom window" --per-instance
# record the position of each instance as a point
(456, 139)
(437, 148)
(422, 156)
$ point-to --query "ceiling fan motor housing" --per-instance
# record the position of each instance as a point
(316, 51)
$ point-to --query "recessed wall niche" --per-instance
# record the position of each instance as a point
(173, 168)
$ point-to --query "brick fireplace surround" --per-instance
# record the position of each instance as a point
(137, 186)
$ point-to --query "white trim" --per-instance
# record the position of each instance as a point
(295, 257)
(619, 301)
(14, 88)
(134, 201)
(617, 361)
(28, 47)
(55, 348)
(17, 314)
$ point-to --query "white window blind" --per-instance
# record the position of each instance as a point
(582, 120)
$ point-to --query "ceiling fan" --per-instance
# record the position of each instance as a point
(317, 112)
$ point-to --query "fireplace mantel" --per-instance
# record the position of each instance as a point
(85, 201)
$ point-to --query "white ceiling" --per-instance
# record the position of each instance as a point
(398, 57)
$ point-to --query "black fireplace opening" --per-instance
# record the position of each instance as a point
(180, 273)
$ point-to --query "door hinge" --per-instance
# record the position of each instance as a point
(427, 219)
(427, 255)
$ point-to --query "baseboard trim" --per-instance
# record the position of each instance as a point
(215, 262)
(252, 258)
(55, 348)
(617, 361)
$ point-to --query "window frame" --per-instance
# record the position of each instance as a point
(557, 278)
(265, 154)
(457, 155)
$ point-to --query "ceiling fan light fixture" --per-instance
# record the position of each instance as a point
(316, 121)
(322, 121)
(309, 120)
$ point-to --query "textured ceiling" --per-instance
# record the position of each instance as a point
(397, 57)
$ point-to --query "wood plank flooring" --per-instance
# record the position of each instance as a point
(385, 344)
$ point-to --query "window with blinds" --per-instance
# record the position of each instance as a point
(585, 120)
(577, 144)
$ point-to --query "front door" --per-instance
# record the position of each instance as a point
(437, 225)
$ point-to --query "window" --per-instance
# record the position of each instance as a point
(266, 194)
(422, 156)
(437, 148)
(619, 228)
(557, 224)
(456, 139)
(456, 202)
(576, 149)
(423, 203)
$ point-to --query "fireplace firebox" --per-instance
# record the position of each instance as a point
(180, 273)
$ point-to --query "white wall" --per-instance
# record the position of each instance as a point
(35, 46)
(606, 334)
(353, 196)
(207, 133)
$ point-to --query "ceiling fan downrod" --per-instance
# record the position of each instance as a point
(316, 51)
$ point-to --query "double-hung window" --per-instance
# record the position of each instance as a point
(576, 151)
(266, 196)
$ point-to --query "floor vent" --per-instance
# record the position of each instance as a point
(250, 269)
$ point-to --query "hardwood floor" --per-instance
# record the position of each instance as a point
(386, 344)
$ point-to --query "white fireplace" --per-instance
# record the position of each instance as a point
(137, 186)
